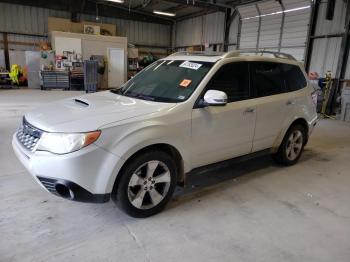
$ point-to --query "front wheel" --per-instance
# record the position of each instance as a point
(147, 184)
(292, 146)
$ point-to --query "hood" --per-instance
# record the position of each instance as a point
(90, 112)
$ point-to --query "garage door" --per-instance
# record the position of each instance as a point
(275, 26)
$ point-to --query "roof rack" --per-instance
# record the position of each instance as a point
(259, 53)
(235, 53)
(198, 53)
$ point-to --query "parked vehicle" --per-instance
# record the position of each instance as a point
(186, 111)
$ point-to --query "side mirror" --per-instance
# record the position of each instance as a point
(215, 98)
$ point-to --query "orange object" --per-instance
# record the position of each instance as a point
(91, 137)
(185, 83)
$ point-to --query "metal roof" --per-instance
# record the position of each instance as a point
(137, 9)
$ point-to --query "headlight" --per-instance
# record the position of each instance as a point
(62, 143)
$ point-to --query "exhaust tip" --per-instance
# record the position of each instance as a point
(64, 191)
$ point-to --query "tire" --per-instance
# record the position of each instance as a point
(146, 184)
(292, 146)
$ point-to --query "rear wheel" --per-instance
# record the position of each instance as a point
(147, 184)
(292, 146)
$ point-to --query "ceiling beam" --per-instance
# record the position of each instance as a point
(131, 11)
(235, 3)
(146, 3)
(201, 4)
(196, 14)
(175, 9)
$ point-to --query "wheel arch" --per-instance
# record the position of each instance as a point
(298, 121)
(164, 147)
(303, 123)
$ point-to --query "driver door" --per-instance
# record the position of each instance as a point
(224, 132)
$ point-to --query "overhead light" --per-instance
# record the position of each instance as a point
(279, 12)
(116, 1)
(163, 13)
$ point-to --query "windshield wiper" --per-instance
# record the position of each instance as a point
(117, 91)
(130, 94)
(145, 97)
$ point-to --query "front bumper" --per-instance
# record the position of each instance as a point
(70, 190)
(86, 175)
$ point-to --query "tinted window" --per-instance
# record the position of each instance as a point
(267, 78)
(294, 78)
(233, 79)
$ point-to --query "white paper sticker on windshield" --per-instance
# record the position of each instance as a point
(191, 65)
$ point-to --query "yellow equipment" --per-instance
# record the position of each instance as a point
(326, 92)
(15, 73)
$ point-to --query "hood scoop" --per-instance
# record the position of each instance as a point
(81, 102)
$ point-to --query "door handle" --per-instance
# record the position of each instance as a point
(290, 102)
(249, 110)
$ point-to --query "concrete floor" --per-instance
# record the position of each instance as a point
(253, 211)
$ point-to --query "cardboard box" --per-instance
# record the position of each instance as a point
(65, 25)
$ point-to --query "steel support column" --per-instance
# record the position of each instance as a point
(229, 17)
(239, 31)
(282, 26)
(259, 28)
(342, 61)
(312, 29)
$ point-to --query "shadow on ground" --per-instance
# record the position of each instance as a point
(231, 175)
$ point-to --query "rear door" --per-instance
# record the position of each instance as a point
(271, 101)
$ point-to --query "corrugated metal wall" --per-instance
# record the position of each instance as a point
(234, 32)
(26, 19)
(189, 32)
(200, 30)
(296, 27)
(270, 28)
(264, 26)
(347, 72)
(325, 53)
(140, 33)
(249, 27)
(33, 20)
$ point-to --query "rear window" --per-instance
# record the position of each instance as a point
(267, 78)
(294, 77)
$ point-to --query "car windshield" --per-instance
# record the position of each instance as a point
(166, 81)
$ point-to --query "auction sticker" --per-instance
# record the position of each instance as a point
(190, 65)
(185, 83)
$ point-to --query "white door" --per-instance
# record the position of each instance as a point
(224, 132)
(116, 67)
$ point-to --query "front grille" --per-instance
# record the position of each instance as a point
(28, 135)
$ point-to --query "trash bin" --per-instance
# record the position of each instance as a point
(90, 75)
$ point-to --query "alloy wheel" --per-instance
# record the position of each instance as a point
(149, 184)
(294, 145)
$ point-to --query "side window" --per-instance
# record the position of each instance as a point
(267, 78)
(294, 77)
(233, 79)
